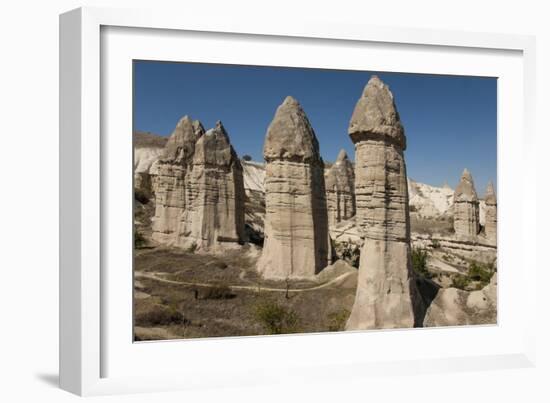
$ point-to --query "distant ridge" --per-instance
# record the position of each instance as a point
(148, 139)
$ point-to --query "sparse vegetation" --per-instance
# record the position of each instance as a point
(480, 272)
(247, 157)
(349, 252)
(139, 240)
(478, 276)
(460, 281)
(275, 318)
(420, 262)
(436, 244)
(159, 315)
(337, 320)
(220, 291)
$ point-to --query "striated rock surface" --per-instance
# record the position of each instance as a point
(169, 181)
(466, 207)
(199, 189)
(454, 307)
(386, 292)
(491, 214)
(297, 243)
(215, 214)
(148, 148)
(340, 188)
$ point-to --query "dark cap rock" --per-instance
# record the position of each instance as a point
(290, 135)
(375, 116)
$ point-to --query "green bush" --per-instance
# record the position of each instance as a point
(220, 291)
(419, 261)
(139, 240)
(480, 272)
(275, 318)
(460, 281)
(159, 315)
(436, 244)
(337, 320)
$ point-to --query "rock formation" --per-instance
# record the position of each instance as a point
(199, 189)
(216, 193)
(148, 148)
(297, 243)
(491, 214)
(339, 182)
(454, 307)
(466, 207)
(386, 292)
(169, 175)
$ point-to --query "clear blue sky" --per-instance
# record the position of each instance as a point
(450, 121)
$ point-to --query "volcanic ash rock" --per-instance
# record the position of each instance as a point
(168, 181)
(215, 192)
(491, 214)
(297, 242)
(339, 182)
(386, 292)
(147, 150)
(466, 207)
(199, 189)
(454, 307)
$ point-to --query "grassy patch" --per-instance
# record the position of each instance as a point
(477, 277)
(220, 291)
(275, 318)
(337, 320)
(159, 315)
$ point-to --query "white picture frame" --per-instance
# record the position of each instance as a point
(96, 356)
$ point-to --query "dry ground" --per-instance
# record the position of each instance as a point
(187, 295)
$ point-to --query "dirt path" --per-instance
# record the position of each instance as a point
(155, 276)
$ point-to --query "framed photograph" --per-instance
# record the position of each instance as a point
(242, 202)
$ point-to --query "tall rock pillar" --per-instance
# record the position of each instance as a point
(339, 180)
(297, 243)
(215, 186)
(386, 291)
(491, 214)
(466, 207)
(169, 181)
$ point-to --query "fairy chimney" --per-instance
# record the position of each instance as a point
(297, 243)
(386, 294)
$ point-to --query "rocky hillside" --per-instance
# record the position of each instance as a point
(426, 201)
(147, 149)
(429, 201)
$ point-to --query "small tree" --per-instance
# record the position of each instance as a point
(247, 157)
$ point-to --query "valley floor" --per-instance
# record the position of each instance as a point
(188, 295)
